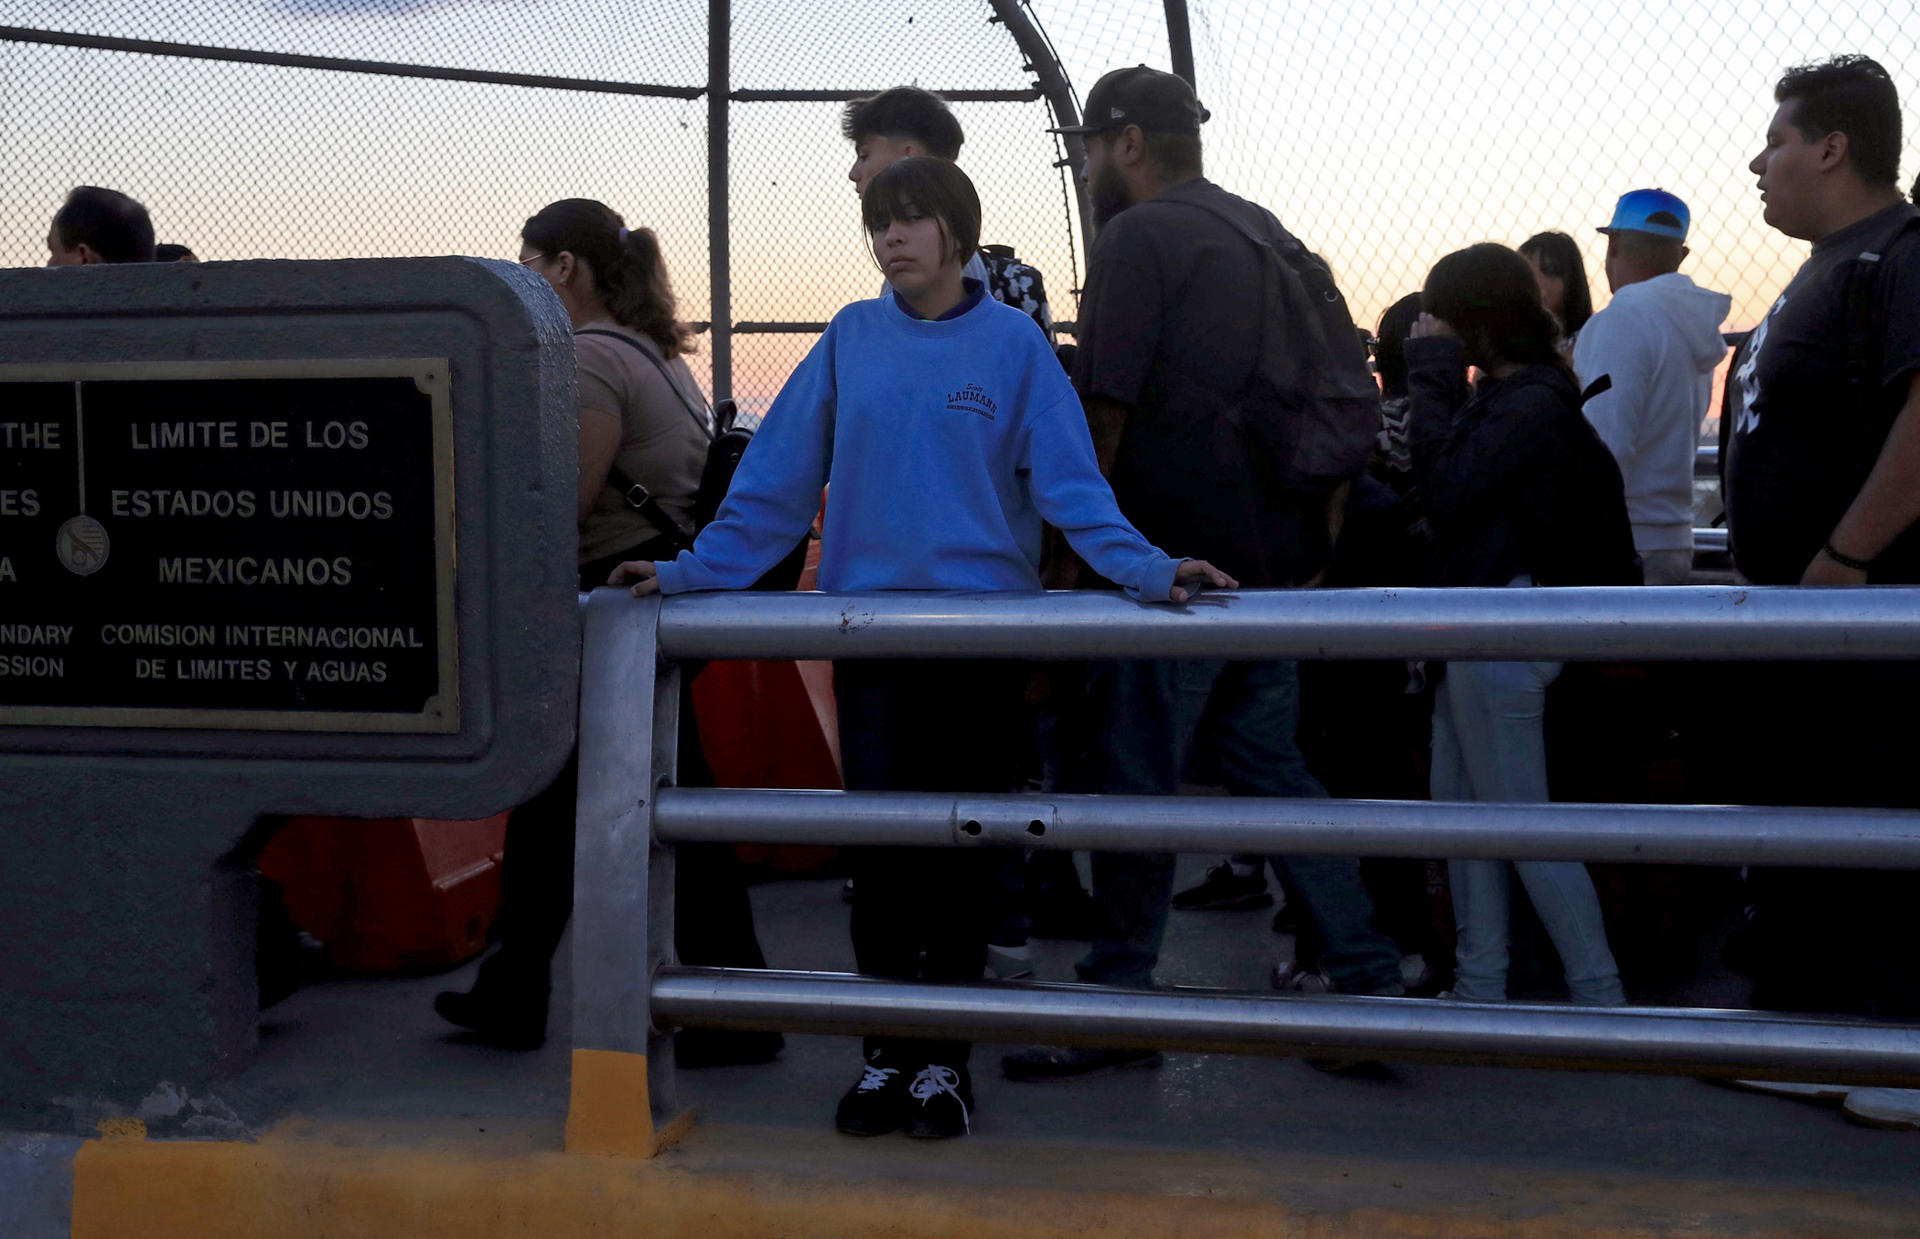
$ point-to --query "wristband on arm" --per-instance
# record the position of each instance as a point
(1846, 561)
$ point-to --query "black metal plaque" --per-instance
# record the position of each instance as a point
(228, 544)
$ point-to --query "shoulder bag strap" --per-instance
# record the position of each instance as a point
(701, 418)
(637, 496)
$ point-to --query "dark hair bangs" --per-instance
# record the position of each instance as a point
(924, 186)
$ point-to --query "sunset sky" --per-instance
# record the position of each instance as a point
(1385, 133)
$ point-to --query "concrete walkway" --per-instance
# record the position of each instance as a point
(367, 1116)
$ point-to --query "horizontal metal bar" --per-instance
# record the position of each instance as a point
(777, 329)
(1649, 834)
(1670, 622)
(1644, 1039)
(1706, 460)
(336, 64)
(1711, 541)
(1029, 95)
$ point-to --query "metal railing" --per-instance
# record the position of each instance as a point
(628, 990)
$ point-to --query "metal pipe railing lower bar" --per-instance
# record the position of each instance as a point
(1649, 834)
(1672, 622)
(1722, 1043)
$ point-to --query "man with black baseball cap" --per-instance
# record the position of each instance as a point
(1169, 335)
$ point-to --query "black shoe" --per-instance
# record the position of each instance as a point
(508, 1019)
(1053, 1062)
(1352, 1068)
(940, 1104)
(876, 1104)
(1224, 891)
(724, 1047)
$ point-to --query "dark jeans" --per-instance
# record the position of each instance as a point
(712, 919)
(1836, 941)
(922, 914)
(1230, 724)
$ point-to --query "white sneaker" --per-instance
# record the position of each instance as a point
(1893, 1109)
(1010, 963)
(1795, 1089)
(1289, 977)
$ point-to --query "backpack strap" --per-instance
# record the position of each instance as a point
(1599, 387)
(1268, 250)
(1863, 337)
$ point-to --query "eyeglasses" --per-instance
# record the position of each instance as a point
(528, 262)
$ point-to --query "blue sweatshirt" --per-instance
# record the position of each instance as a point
(946, 445)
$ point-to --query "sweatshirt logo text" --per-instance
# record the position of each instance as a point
(972, 399)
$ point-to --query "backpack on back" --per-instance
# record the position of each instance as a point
(1311, 408)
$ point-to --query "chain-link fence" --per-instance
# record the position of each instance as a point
(1385, 134)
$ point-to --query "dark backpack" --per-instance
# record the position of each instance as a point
(1311, 408)
(1574, 521)
(726, 444)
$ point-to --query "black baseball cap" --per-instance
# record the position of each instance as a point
(1157, 102)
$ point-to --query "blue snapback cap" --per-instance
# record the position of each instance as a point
(1652, 211)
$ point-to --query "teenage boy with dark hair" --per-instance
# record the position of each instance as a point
(1166, 340)
(97, 225)
(906, 121)
(1822, 486)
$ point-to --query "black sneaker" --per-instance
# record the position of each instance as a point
(945, 1103)
(1224, 891)
(508, 1019)
(876, 1104)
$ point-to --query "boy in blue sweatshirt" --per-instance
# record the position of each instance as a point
(947, 433)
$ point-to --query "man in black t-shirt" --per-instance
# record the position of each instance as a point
(1823, 463)
(1822, 487)
(1169, 334)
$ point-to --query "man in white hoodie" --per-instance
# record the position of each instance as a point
(1657, 343)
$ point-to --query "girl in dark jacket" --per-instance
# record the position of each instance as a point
(1519, 491)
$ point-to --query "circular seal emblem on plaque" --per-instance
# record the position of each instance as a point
(82, 546)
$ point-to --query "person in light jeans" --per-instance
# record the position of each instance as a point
(1489, 743)
(1518, 490)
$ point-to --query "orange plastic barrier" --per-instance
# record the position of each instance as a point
(391, 894)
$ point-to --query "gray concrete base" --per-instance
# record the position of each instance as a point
(36, 1186)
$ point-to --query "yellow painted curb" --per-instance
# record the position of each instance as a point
(337, 1184)
(610, 1112)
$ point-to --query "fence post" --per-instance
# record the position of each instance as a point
(622, 1100)
(1052, 77)
(719, 240)
(1180, 40)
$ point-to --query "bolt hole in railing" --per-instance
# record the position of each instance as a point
(626, 983)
